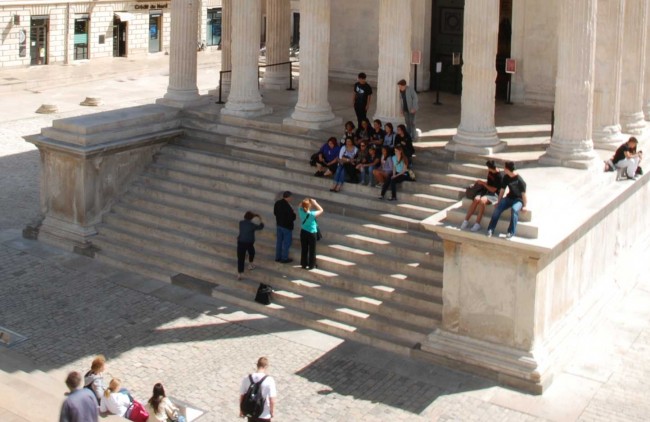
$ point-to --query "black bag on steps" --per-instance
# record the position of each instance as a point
(264, 293)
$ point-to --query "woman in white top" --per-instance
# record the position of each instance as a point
(347, 165)
(160, 408)
(115, 401)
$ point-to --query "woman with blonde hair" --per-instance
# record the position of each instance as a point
(308, 232)
(115, 400)
(160, 408)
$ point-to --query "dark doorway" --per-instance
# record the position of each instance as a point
(38, 32)
(119, 37)
(81, 37)
(295, 34)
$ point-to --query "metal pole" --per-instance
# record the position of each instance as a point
(220, 83)
(290, 77)
(415, 78)
(438, 88)
(509, 88)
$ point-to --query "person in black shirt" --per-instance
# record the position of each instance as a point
(627, 158)
(490, 195)
(361, 97)
(284, 218)
(516, 200)
(246, 241)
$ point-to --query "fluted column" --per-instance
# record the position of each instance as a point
(278, 26)
(646, 86)
(571, 144)
(477, 132)
(226, 40)
(244, 99)
(313, 108)
(634, 39)
(394, 57)
(182, 90)
(607, 86)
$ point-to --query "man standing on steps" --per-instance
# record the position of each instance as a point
(409, 101)
(284, 218)
(361, 98)
(81, 404)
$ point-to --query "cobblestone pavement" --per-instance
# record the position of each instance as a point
(71, 308)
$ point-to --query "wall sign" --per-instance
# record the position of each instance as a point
(151, 6)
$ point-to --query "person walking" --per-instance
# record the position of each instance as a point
(516, 200)
(308, 232)
(284, 218)
(361, 98)
(246, 241)
(268, 390)
(409, 101)
(81, 404)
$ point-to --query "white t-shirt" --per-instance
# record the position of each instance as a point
(116, 403)
(268, 391)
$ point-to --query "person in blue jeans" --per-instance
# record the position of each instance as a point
(515, 200)
(284, 218)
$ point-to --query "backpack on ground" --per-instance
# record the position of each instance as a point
(136, 412)
(252, 405)
(264, 294)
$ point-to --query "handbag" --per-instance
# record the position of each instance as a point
(264, 294)
(474, 190)
(136, 412)
(319, 234)
(411, 174)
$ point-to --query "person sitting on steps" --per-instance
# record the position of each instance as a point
(327, 158)
(490, 196)
(626, 159)
(400, 173)
(516, 200)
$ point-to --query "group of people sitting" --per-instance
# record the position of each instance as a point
(626, 160)
(371, 155)
(93, 396)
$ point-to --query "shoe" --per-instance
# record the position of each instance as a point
(476, 227)
(509, 236)
(381, 198)
(392, 198)
(489, 233)
(631, 177)
(304, 267)
(379, 185)
(332, 190)
(278, 260)
(286, 261)
(251, 267)
(319, 174)
(238, 276)
(464, 224)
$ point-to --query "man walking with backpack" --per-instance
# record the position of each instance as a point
(257, 394)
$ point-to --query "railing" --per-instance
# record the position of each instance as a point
(290, 63)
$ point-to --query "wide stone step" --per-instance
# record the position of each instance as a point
(414, 274)
(216, 255)
(469, 169)
(297, 289)
(524, 229)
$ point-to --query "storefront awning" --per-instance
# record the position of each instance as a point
(124, 16)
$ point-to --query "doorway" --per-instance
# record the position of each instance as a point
(81, 37)
(155, 36)
(38, 32)
(119, 37)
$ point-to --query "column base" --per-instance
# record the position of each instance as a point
(608, 137)
(313, 118)
(290, 121)
(178, 102)
(581, 161)
(476, 143)
(247, 113)
(528, 371)
(633, 124)
(65, 235)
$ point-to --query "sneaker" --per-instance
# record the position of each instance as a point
(509, 235)
(286, 261)
(476, 227)
(392, 198)
(319, 174)
(489, 233)
(632, 177)
(251, 266)
(464, 224)
(238, 276)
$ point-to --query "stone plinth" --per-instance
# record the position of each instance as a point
(87, 162)
(477, 133)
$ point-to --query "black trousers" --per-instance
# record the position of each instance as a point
(307, 249)
(242, 248)
(360, 111)
(392, 183)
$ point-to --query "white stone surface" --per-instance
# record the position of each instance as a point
(634, 56)
(571, 143)
(394, 57)
(226, 42)
(477, 132)
(277, 44)
(609, 66)
(313, 107)
(244, 99)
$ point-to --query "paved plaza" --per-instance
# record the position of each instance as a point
(71, 308)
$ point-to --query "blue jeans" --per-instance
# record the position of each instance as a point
(339, 177)
(366, 175)
(282, 243)
(503, 205)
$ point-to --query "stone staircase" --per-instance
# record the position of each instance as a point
(379, 275)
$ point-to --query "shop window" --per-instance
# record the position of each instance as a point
(81, 38)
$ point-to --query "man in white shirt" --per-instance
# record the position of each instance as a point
(268, 389)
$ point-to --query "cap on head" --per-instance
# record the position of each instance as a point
(286, 194)
(491, 164)
(402, 82)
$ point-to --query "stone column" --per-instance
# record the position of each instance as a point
(244, 99)
(571, 144)
(477, 132)
(394, 57)
(278, 25)
(646, 87)
(607, 87)
(226, 38)
(634, 38)
(313, 109)
(182, 90)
